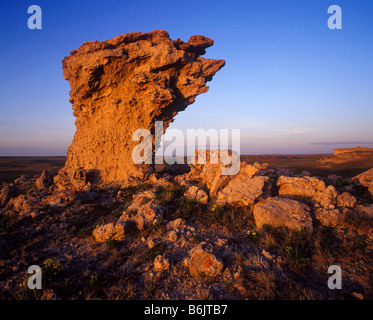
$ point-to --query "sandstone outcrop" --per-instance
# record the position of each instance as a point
(279, 212)
(124, 84)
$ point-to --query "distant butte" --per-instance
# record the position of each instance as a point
(347, 156)
(124, 84)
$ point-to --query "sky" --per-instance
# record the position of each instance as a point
(290, 84)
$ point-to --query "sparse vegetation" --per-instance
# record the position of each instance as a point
(258, 263)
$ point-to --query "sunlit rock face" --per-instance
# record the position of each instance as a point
(124, 84)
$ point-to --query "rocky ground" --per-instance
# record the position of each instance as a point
(262, 234)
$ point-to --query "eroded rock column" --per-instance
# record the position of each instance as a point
(124, 84)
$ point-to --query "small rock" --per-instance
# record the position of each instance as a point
(161, 263)
(175, 224)
(172, 236)
(203, 264)
(357, 295)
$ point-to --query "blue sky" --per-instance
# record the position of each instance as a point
(290, 84)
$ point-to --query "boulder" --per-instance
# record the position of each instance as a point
(242, 191)
(300, 187)
(286, 212)
(308, 188)
(329, 217)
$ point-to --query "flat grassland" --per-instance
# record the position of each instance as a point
(13, 167)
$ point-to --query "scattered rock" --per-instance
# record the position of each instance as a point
(175, 224)
(279, 211)
(21, 179)
(22, 203)
(60, 198)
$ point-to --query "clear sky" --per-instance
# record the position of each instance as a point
(290, 83)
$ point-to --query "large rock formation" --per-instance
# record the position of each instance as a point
(124, 84)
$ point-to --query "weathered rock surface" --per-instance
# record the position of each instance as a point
(366, 211)
(242, 191)
(161, 263)
(5, 195)
(365, 179)
(242, 188)
(197, 194)
(124, 84)
(203, 264)
(113, 231)
(44, 181)
(300, 187)
(279, 211)
(346, 200)
(328, 217)
(309, 188)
